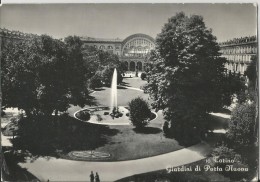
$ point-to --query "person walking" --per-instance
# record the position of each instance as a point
(91, 176)
(97, 178)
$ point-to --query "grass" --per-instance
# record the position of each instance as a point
(123, 96)
(135, 82)
(122, 142)
(129, 143)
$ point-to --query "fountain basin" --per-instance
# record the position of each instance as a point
(102, 115)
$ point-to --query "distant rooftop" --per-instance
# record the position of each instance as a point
(241, 40)
(91, 39)
(18, 34)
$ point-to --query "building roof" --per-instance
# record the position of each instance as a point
(237, 41)
(91, 39)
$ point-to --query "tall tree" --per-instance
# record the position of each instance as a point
(39, 77)
(186, 74)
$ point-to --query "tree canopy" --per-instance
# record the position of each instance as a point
(42, 75)
(186, 74)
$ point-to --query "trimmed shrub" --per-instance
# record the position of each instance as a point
(143, 76)
(83, 115)
(139, 112)
(166, 128)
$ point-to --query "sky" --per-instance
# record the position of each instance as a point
(227, 21)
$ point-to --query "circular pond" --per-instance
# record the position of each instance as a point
(102, 115)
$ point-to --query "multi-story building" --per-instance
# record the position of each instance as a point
(238, 53)
(132, 50)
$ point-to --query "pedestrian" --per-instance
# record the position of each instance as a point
(91, 177)
(97, 178)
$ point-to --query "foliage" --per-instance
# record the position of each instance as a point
(83, 115)
(186, 75)
(139, 112)
(251, 71)
(143, 76)
(77, 73)
(223, 157)
(241, 128)
(95, 81)
(234, 84)
(102, 63)
(42, 75)
(166, 128)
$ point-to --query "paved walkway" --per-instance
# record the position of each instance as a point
(67, 170)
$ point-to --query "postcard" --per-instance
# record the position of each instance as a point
(129, 92)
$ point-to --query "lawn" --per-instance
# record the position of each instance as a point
(124, 95)
(130, 143)
(121, 142)
(135, 82)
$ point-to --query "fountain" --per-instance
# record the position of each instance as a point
(104, 115)
(107, 115)
(113, 105)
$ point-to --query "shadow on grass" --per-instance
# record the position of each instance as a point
(124, 84)
(120, 87)
(52, 136)
(99, 89)
(147, 130)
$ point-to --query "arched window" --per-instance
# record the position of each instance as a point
(132, 66)
(139, 66)
(126, 66)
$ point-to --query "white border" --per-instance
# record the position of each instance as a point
(123, 1)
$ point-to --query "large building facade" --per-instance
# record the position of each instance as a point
(239, 52)
(132, 51)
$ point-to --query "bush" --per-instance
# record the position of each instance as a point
(241, 128)
(224, 157)
(143, 76)
(166, 128)
(139, 112)
(83, 115)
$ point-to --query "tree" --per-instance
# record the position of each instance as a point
(95, 81)
(103, 63)
(241, 128)
(77, 73)
(40, 77)
(186, 74)
(251, 71)
(139, 112)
